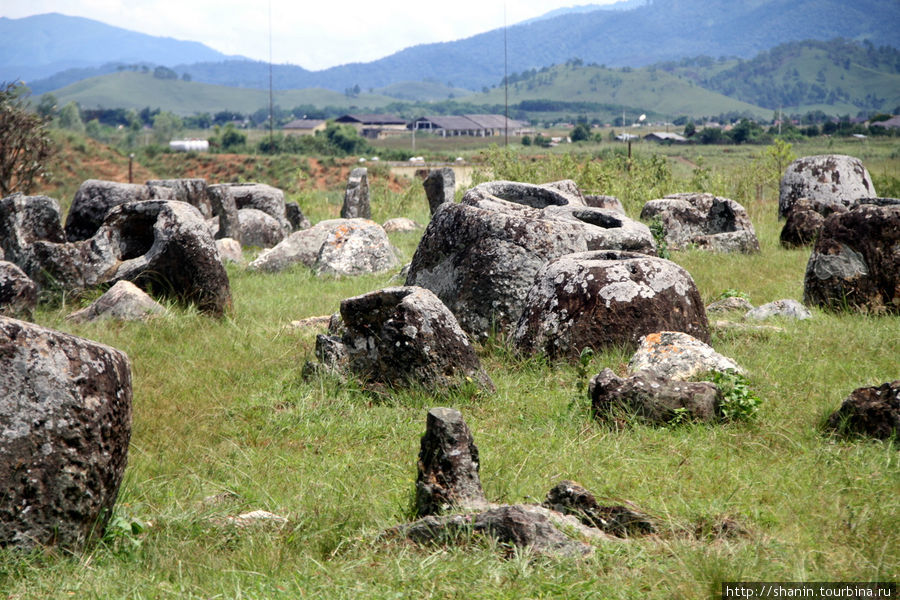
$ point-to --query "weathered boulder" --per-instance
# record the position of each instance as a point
(230, 250)
(355, 247)
(262, 197)
(18, 293)
(787, 308)
(259, 229)
(192, 191)
(96, 198)
(295, 216)
(856, 261)
(833, 179)
(122, 302)
(569, 498)
(404, 335)
(677, 356)
(480, 256)
(224, 209)
(334, 247)
(653, 399)
(607, 298)
(804, 221)
(65, 424)
(871, 411)
(440, 187)
(448, 466)
(400, 224)
(607, 202)
(25, 220)
(706, 221)
(356, 196)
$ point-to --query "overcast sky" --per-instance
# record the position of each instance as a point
(314, 34)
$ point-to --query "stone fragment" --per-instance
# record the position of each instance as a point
(677, 356)
(831, 179)
(606, 202)
(259, 229)
(869, 411)
(356, 196)
(400, 224)
(96, 198)
(731, 303)
(440, 187)
(569, 498)
(480, 256)
(855, 263)
(122, 302)
(230, 250)
(405, 335)
(705, 221)
(607, 298)
(18, 293)
(787, 308)
(448, 466)
(65, 424)
(192, 191)
(521, 526)
(653, 399)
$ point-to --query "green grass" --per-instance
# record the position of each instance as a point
(221, 406)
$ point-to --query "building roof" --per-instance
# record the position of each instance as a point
(458, 122)
(371, 119)
(663, 136)
(890, 123)
(304, 124)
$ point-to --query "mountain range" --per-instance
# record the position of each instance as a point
(639, 33)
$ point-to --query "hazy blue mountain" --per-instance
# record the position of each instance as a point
(658, 31)
(39, 46)
(584, 8)
(661, 30)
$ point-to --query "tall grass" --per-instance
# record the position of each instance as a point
(221, 408)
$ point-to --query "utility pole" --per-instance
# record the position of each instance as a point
(505, 81)
(271, 100)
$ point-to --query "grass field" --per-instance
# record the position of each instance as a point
(221, 409)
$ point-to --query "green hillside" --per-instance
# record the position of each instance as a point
(837, 77)
(422, 91)
(132, 90)
(649, 90)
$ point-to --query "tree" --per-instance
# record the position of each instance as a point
(166, 126)
(690, 129)
(70, 118)
(581, 132)
(47, 106)
(25, 146)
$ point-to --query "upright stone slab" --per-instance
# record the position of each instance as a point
(440, 187)
(448, 466)
(224, 208)
(356, 196)
(65, 424)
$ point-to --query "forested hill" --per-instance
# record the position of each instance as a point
(810, 73)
